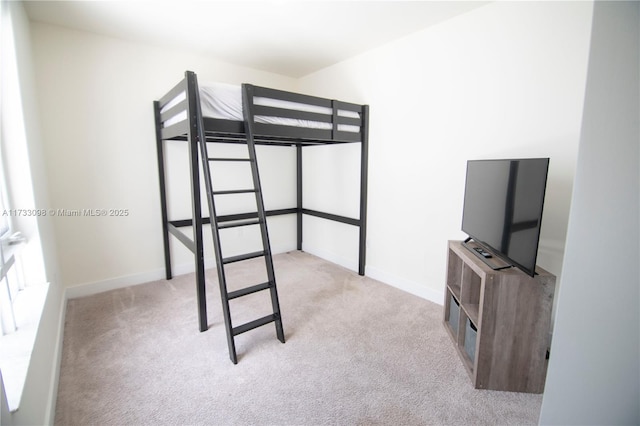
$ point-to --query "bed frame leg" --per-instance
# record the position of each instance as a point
(195, 133)
(163, 192)
(364, 169)
(299, 191)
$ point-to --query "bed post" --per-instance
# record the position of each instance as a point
(195, 133)
(163, 192)
(364, 166)
(299, 190)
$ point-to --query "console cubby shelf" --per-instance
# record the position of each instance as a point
(499, 321)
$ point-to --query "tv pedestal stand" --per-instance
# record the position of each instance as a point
(499, 321)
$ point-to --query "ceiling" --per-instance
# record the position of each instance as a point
(292, 38)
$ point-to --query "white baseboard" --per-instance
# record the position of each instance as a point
(96, 287)
(53, 386)
(331, 257)
(283, 248)
(409, 286)
(377, 274)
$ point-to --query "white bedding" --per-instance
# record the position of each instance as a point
(224, 101)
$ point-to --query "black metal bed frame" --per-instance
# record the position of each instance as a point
(197, 127)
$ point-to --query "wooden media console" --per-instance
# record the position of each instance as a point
(499, 321)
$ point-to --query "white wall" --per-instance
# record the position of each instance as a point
(96, 98)
(504, 80)
(36, 404)
(594, 369)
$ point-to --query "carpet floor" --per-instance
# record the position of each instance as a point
(358, 352)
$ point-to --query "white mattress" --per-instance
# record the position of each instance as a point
(224, 101)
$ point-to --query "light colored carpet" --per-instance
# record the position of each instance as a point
(358, 352)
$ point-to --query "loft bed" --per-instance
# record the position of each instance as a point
(216, 113)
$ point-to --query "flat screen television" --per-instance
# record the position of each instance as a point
(503, 202)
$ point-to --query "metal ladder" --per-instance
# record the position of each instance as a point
(252, 219)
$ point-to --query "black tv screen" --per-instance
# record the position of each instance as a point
(503, 202)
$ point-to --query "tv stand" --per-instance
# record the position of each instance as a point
(499, 321)
(480, 251)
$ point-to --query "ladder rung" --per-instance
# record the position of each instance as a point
(254, 324)
(243, 257)
(239, 223)
(249, 290)
(228, 159)
(233, 191)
